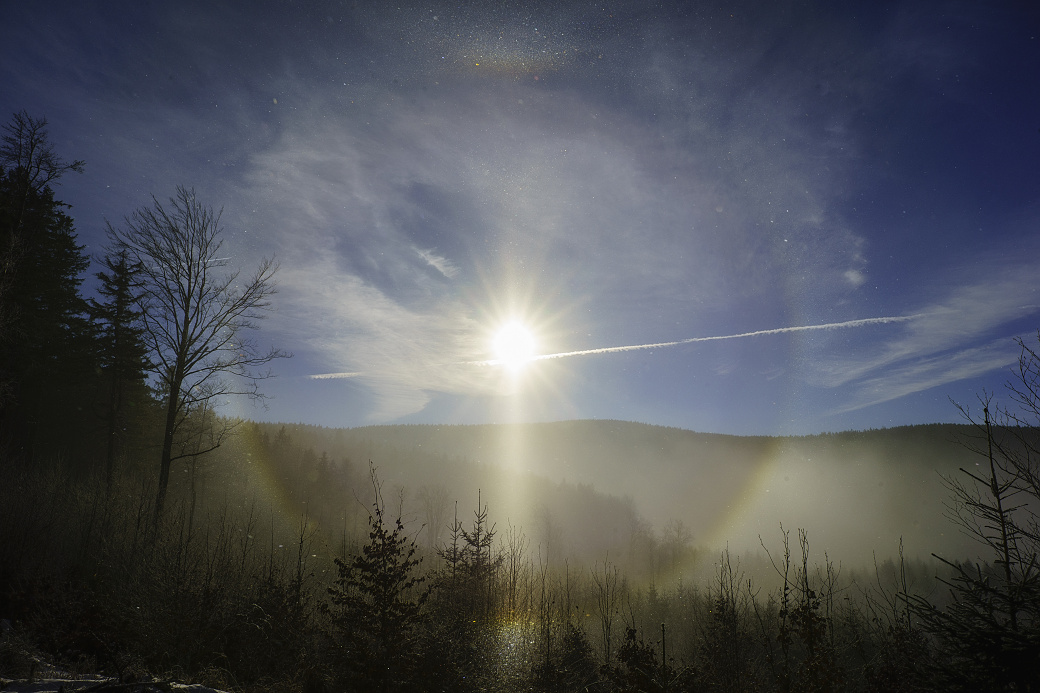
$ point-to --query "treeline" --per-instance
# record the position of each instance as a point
(71, 369)
(237, 591)
(145, 363)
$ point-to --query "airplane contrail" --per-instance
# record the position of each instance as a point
(757, 333)
(659, 345)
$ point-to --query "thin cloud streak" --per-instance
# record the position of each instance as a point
(779, 330)
(932, 372)
(438, 262)
(334, 376)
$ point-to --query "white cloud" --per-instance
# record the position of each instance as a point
(855, 278)
(398, 354)
(577, 204)
(438, 262)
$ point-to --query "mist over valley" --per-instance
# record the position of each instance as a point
(855, 493)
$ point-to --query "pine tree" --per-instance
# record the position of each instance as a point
(378, 607)
(989, 632)
(466, 601)
(123, 354)
(46, 350)
(637, 670)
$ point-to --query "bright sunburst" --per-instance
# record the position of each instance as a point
(513, 345)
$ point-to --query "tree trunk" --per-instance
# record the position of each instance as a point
(115, 405)
(173, 400)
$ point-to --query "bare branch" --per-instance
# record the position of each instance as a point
(195, 311)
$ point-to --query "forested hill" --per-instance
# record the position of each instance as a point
(857, 492)
(587, 445)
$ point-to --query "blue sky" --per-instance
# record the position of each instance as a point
(612, 174)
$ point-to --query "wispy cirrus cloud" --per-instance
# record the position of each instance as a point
(438, 262)
(556, 196)
(968, 333)
(401, 353)
(930, 371)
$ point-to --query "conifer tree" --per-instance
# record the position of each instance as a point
(46, 355)
(989, 632)
(122, 351)
(466, 600)
(378, 603)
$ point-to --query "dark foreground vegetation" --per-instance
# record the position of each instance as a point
(142, 534)
(240, 588)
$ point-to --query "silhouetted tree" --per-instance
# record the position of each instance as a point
(676, 545)
(435, 502)
(989, 632)
(28, 165)
(45, 345)
(123, 353)
(573, 668)
(637, 670)
(466, 599)
(378, 603)
(726, 656)
(195, 317)
(608, 591)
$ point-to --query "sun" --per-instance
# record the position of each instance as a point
(513, 345)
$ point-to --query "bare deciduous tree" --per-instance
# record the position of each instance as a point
(435, 501)
(607, 593)
(195, 315)
(27, 154)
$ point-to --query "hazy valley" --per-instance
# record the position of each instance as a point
(856, 493)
